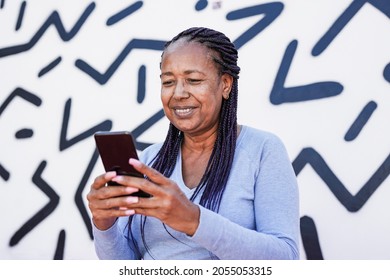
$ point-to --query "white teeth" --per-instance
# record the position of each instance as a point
(183, 111)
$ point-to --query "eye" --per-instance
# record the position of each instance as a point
(194, 81)
(167, 83)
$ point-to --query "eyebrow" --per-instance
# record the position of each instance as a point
(185, 72)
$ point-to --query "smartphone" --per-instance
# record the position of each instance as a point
(115, 149)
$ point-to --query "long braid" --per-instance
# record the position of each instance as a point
(217, 171)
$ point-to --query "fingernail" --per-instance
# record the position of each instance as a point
(134, 162)
(132, 199)
(129, 212)
(110, 173)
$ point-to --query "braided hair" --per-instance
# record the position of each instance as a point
(218, 168)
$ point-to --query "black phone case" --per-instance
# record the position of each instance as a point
(115, 149)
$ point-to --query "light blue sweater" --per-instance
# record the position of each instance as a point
(258, 217)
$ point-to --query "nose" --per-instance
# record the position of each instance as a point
(180, 91)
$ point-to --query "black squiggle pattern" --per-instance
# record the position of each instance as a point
(280, 94)
(352, 203)
(29, 97)
(103, 78)
(270, 11)
(55, 20)
(344, 19)
(79, 193)
(26, 95)
(64, 142)
(41, 214)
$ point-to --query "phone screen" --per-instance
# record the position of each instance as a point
(115, 149)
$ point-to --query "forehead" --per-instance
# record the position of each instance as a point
(184, 52)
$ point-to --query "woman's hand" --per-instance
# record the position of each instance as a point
(109, 202)
(168, 203)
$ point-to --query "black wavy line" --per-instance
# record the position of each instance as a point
(41, 214)
(352, 203)
(310, 241)
(102, 78)
(64, 143)
(55, 20)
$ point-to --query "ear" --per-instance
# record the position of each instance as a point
(227, 83)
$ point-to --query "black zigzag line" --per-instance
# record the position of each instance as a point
(26, 95)
(53, 19)
(281, 94)
(344, 19)
(41, 214)
(133, 44)
(79, 193)
(78, 198)
(270, 11)
(64, 142)
(351, 203)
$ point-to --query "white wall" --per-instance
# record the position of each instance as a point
(47, 119)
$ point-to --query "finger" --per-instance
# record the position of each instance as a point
(102, 180)
(113, 213)
(150, 172)
(140, 183)
(115, 203)
(116, 191)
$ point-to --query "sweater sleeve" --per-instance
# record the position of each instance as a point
(112, 244)
(276, 205)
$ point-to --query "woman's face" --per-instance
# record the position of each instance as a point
(192, 87)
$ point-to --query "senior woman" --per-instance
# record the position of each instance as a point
(219, 190)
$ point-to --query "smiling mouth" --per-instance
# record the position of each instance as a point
(182, 112)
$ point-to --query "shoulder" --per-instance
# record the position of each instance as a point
(149, 153)
(251, 137)
(258, 144)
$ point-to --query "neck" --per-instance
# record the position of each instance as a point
(200, 143)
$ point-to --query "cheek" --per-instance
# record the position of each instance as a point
(165, 96)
